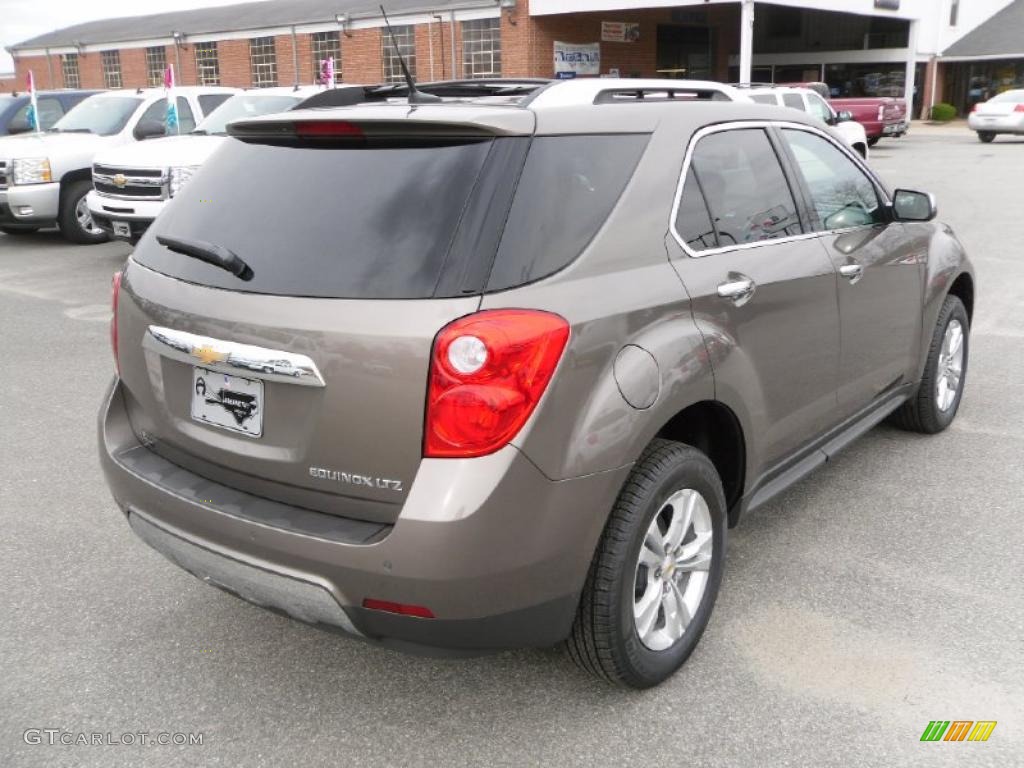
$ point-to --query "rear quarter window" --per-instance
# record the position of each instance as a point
(568, 187)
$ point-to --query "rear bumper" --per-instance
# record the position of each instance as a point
(31, 205)
(1012, 123)
(500, 562)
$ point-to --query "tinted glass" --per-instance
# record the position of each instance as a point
(793, 100)
(186, 121)
(210, 101)
(841, 194)
(764, 98)
(50, 111)
(331, 222)
(242, 105)
(104, 115)
(568, 187)
(746, 191)
(693, 222)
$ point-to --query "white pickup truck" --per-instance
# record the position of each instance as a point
(132, 184)
(44, 178)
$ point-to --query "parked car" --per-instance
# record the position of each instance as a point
(881, 116)
(52, 106)
(133, 182)
(44, 178)
(1000, 114)
(807, 100)
(552, 346)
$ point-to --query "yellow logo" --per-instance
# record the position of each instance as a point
(208, 354)
(119, 180)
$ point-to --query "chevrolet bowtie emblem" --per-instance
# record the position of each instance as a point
(208, 355)
(119, 180)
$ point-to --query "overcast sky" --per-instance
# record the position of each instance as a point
(22, 19)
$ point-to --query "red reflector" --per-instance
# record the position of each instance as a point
(488, 371)
(327, 129)
(115, 294)
(419, 611)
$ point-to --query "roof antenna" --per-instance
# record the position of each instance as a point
(415, 96)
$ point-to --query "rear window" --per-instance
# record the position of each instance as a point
(330, 222)
(568, 187)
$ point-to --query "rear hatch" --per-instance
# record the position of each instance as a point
(303, 379)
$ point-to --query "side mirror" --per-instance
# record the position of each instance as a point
(148, 129)
(845, 116)
(18, 125)
(908, 205)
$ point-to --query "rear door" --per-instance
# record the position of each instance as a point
(880, 266)
(304, 379)
(762, 290)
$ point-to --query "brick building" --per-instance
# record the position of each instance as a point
(859, 47)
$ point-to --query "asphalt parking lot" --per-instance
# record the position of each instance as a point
(884, 591)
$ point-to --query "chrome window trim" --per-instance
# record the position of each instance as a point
(763, 124)
(244, 360)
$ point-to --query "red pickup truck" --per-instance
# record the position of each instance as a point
(880, 115)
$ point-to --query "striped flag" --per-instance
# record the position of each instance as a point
(327, 71)
(33, 107)
(172, 104)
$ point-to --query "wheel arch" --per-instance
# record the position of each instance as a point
(963, 289)
(71, 177)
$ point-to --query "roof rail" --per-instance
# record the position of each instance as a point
(613, 90)
(755, 85)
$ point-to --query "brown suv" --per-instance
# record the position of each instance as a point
(499, 371)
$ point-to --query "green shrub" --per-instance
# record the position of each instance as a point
(943, 112)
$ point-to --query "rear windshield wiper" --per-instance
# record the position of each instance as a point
(198, 132)
(216, 255)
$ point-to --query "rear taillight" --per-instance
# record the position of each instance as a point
(115, 295)
(487, 373)
(975, 107)
(1019, 108)
(881, 113)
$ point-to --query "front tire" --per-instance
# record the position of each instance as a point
(986, 137)
(873, 140)
(75, 221)
(933, 407)
(655, 576)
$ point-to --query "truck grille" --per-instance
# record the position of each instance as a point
(3, 174)
(130, 183)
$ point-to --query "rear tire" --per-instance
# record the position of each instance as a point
(18, 230)
(986, 137)
(933, 407)
(75, 221)
(625, 582)
(873, 140)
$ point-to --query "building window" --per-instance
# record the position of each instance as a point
(111, 69)
(69, 70)
(954, 12)
(405, 36)
(326, 44)
(263, 59)
(156, 64)
(207, 65)
(481, 48)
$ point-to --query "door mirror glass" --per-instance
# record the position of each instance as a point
(845, 116)
(908, 205)
(147, 129)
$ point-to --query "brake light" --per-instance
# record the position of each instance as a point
(1019, 108)
(881, 112)
(115, 295)
(419, 611)
(327, 129)
(975, 107)
(488, 371)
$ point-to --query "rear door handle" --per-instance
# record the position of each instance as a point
(852, 272)
(739, 289)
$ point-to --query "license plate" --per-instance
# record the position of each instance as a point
(122, 229)
(227, 402)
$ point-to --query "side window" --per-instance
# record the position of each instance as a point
(50, 111)
(764, 98)
(185, 119)
(693, 222)
(156, 111)
(817, 107)
(841, 194)
(746, 191)
(793, 100)
(210, 101)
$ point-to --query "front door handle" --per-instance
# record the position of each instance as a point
(739, 289)
(852, 272)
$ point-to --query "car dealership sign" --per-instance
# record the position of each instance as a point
(572, 60)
